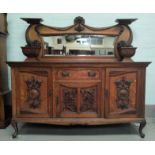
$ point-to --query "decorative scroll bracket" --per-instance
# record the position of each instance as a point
(36, 30)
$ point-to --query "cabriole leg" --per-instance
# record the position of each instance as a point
(15, 126)
(142, 125)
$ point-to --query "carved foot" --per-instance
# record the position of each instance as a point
(142, 125)
(14, 125)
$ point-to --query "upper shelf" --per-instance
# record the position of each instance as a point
(125, 21)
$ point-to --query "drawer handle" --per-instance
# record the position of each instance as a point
(91, 74)
(65, 74)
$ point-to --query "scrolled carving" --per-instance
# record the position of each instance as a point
(37, 30)
(126, 50)
(32, 49)
(79, 28)
(123, 92)
(88, 99)
(33, 98)
(33, 37)
(79, 21)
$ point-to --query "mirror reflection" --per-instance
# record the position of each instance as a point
(79, 45)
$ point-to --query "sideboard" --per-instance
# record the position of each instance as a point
(61, 86)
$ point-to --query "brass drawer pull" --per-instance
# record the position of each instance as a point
(91, 74)
(65, 74)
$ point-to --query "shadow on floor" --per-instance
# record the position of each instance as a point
(43, 129)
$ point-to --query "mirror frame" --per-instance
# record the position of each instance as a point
(36, 31)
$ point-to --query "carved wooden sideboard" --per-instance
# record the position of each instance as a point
(5, 105)
(55, 86)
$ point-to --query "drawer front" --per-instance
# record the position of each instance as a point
(77, 74)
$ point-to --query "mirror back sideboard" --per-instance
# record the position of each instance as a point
(64, 81)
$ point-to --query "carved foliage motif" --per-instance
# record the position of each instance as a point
(88, 99)
(79, 21)
(123, 92)
(69, 99)
(33, 90)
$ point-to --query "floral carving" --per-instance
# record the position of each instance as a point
(79, 22)
(123, 92)
(69, 99)
(88, 99)
(33, 98)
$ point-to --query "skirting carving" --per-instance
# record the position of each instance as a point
(123, 91)
(33, 98)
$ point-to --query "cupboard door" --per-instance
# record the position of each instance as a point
(33, 92)
(121, 93)
(77, 99)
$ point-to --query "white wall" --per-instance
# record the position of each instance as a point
(143, 31)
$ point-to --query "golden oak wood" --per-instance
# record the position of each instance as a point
(37, 30)
(70, 90)
(53, 83)
(79, 121)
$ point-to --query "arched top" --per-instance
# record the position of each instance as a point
(37, 30)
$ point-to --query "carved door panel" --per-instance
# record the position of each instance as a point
(121, 93)
(77, 99)
(33, 92)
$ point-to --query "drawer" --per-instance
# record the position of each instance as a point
(77, 74)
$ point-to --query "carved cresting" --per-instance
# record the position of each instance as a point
(79, 21)
(88, 99)
(33, 98)
(37, 30)
(69, 99)
(123, 92)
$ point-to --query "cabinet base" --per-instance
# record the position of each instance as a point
(78, 121)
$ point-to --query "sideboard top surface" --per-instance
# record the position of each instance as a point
(78, 63)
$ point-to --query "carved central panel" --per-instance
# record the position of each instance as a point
(79, 22)
(33, 91)
(88, 99)
(123, 92)
(69, 99)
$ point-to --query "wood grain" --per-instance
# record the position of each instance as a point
(52, 106)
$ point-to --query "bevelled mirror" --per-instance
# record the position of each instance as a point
(79, 45)
(78, 40)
